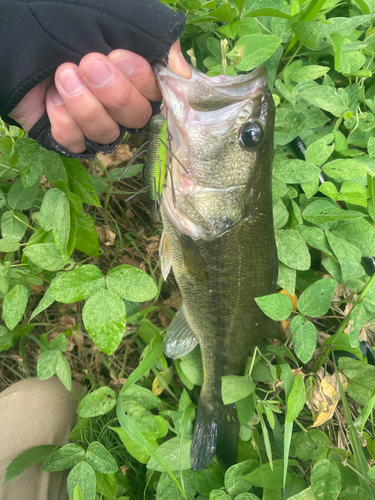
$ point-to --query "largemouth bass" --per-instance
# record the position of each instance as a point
(218, 235)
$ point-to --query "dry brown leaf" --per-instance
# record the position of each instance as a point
(105, 235)
(298, 371)
(125, 259)
(167, 376)
(174, 300)
(164, 318)
(37, 288)
(326, 397)
(292, 298)
(67, 321)
(122, 154)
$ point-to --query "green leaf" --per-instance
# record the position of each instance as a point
(234, 388)
(280, 214)
(288, 125)
(28, 161)
(348, 255)
(304, 338)
(208, 479)
(45, 255)
(46, 301)
(354, 193)
(325, 480)
(87, 240)
(295, 171)
(322, 211)
(100, 459)
(63, 372)
(28, 458)
(310, 445)
(219, 495)
(77, 493)
(287, 278)
(341, 170)
(258, 48)
(131, 283)
(64, 458)
(170, 452)
(98, 402)
(60, 342)
(264, 476)
(13, 226)
(106, 485)
(145, 397)
(20, 198)
(8, 247)
(357, 318)
(234, 483)
(307, 32)
(104, 319)
(324, 97)
(80, 182)
(14, 305)
(296, 399)
(315, 237)
(359, 233)
(139, 416)
(192, 367)
(311, 72)
(47, 363)
(318, 152)
(292, 250)
(135, 450)
(84, 475)
(316, 299)
(53, 167)
(276, 306)
(79, 284)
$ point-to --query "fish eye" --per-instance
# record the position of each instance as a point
(251, 134)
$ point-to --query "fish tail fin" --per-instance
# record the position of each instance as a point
(216, 431)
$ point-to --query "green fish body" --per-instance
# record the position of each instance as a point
(218, 236)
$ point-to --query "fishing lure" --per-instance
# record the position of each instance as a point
(154, 168)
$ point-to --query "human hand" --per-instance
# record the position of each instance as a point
(93, 98)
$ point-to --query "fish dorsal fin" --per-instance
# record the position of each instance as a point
(165, 255)
(180, 338)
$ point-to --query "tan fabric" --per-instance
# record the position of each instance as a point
(33, 413)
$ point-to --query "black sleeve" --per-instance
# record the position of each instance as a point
(36, 36)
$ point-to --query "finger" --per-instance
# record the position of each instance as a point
(64, 128)
(32, 107)
(138, 71)
(84, 106)
(177, 63)
(114, 90)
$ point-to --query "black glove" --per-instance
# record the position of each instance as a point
(38, 36)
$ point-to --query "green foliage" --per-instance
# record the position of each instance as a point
(320, 60)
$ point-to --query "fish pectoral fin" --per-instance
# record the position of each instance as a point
(165, 255)
(180, 338)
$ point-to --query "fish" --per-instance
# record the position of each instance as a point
(218, 236)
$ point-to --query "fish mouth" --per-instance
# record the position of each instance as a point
(204, 93)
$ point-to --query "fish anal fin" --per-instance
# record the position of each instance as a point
(180, 338)
(216, 432)
(165, 255)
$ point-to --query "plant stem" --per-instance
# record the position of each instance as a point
(321, 359)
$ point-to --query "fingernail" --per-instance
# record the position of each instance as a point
(55, 96)
(124, 66)
(70, 81)
(98, 73)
